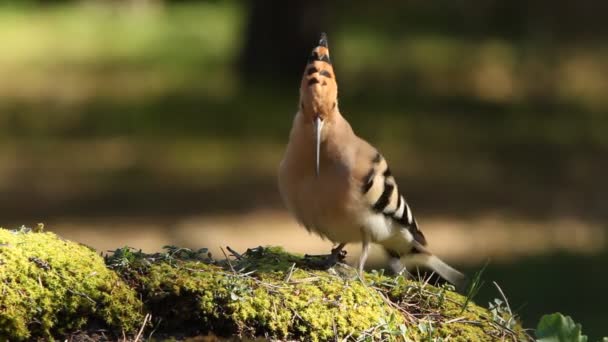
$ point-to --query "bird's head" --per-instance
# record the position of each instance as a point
(319, 92)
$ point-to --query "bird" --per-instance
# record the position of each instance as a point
(340, 187)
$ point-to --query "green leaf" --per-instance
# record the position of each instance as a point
(559, 328)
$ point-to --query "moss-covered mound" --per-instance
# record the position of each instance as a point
(49, 286)
(267, 292)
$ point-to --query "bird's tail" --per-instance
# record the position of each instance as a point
(446, 271)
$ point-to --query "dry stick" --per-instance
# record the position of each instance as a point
(333, 325)
(394, 305)
(290, 273)
(506, 302)
(306, 280)
(236, 255)
(454, 320)
(143, 325)
(345, 339)
(513, 334)
(158, 322)
(83, 295)
(229, 263)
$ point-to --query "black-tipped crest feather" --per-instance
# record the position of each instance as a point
(314, 55)
(323, 40)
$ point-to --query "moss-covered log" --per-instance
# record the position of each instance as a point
(53, 286)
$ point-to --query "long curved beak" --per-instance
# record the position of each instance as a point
(318, 127)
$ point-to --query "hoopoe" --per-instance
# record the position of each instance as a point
(339, 186)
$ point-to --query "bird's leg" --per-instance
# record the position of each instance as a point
(364, 254)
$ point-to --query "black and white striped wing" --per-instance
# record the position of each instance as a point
(382, 193)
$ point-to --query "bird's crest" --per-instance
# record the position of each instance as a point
(318, 89)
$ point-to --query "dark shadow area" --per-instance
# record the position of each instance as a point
(570, 284)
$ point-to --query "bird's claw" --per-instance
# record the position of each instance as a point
(326, 261)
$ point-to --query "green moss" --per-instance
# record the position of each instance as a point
(49, 286)
(311, 304)
(268, 292)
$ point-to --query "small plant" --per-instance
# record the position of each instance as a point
(443, 288)
(391, 328)
(474, 287)
(124, 258)
(182, 253)
(426, 329)
(501, 313)
(557, 327)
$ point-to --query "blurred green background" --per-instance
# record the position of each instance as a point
(163, 122)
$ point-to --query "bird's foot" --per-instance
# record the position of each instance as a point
(326, 261)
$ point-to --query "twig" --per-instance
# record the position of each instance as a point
(457, 319)
(503, 296)
(234, 253)
(394, 305)
(290, 273)
(500, 325)
(229, 263)
(159, 321)
(143, 326)
(477, 323)
(306, 280)
(505, 299)
(83, 295)
(333, 325)
(347, 337)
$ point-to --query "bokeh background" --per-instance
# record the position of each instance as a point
(146, 123)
